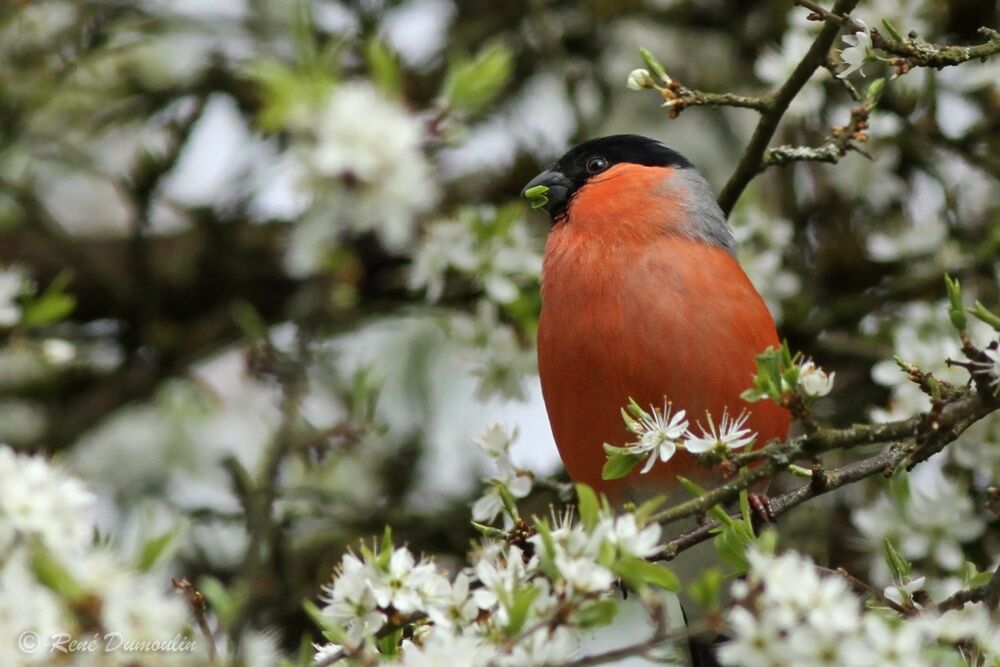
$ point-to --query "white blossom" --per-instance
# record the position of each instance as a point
(12, 285)
(892, 644)
(660, 433)
(496, 442)
(39, 501)
(903, 594)
(365, 156)
(933, 522)
(813, 380)
(858, 51)
(444, 648)
(350, 601)
(730, 433)
(499, 360)
(25, 605)
(624, 533)
(406, 585)
(457, 608)
(487, 245)
(639, 79)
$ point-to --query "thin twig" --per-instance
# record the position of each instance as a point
(753, 156)
(915, 52)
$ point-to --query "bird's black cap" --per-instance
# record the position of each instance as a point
(592, 157)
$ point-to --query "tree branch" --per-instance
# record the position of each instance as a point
(915, 52)
(915, 439)
(751, 162)
(834, 146)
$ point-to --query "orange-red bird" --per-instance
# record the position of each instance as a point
(643, 298)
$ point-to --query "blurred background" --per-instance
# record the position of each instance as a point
(265, 278)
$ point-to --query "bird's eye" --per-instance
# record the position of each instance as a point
(596, 165)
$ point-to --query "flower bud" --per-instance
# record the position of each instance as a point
(639, 79)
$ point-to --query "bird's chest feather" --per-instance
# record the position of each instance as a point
(650, 319)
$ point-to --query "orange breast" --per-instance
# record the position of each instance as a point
(649, 315)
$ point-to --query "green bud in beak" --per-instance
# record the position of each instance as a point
(537, 196)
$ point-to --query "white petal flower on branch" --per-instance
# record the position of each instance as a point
(660, 433)
(405, 584)
(639, 79)
(350, 601)
(496, 442)
(813, 380)
(858, 51)
(730, 433)
(624, 532)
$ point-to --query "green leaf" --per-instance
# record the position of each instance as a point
(706, 590)
(537, 196)
(732, 550)
(982, 313)
(248, 320)
(597, 614)
(472, 84)
(329, 627)
(488, 531)
(545, 558)
(519, 608)
(51, 574)
(155, 549)
(654, 65)
(225, 603)
(619, 465)
(51, 306)
(389, 644)
(874, 92)
(899, 565)
(385, 549)
(384, 67)
(590, 512)
(509, 504)
(648, 508)
(891, 29)
(691, 487)
(956, 311)
(639, 573)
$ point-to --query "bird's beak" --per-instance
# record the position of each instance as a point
(550, 191)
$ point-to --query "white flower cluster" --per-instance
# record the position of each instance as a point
(364, 155)
(923, 336)
(662, 432)
(500, 360)
(787, 614)
(53, 579)
(931, 520)
(515, 605)
(496, 442)
(495, 248)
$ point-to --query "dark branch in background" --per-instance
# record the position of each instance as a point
(143, 182)
(753, 157)
(914, 52)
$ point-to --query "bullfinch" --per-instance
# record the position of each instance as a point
(642, 298)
